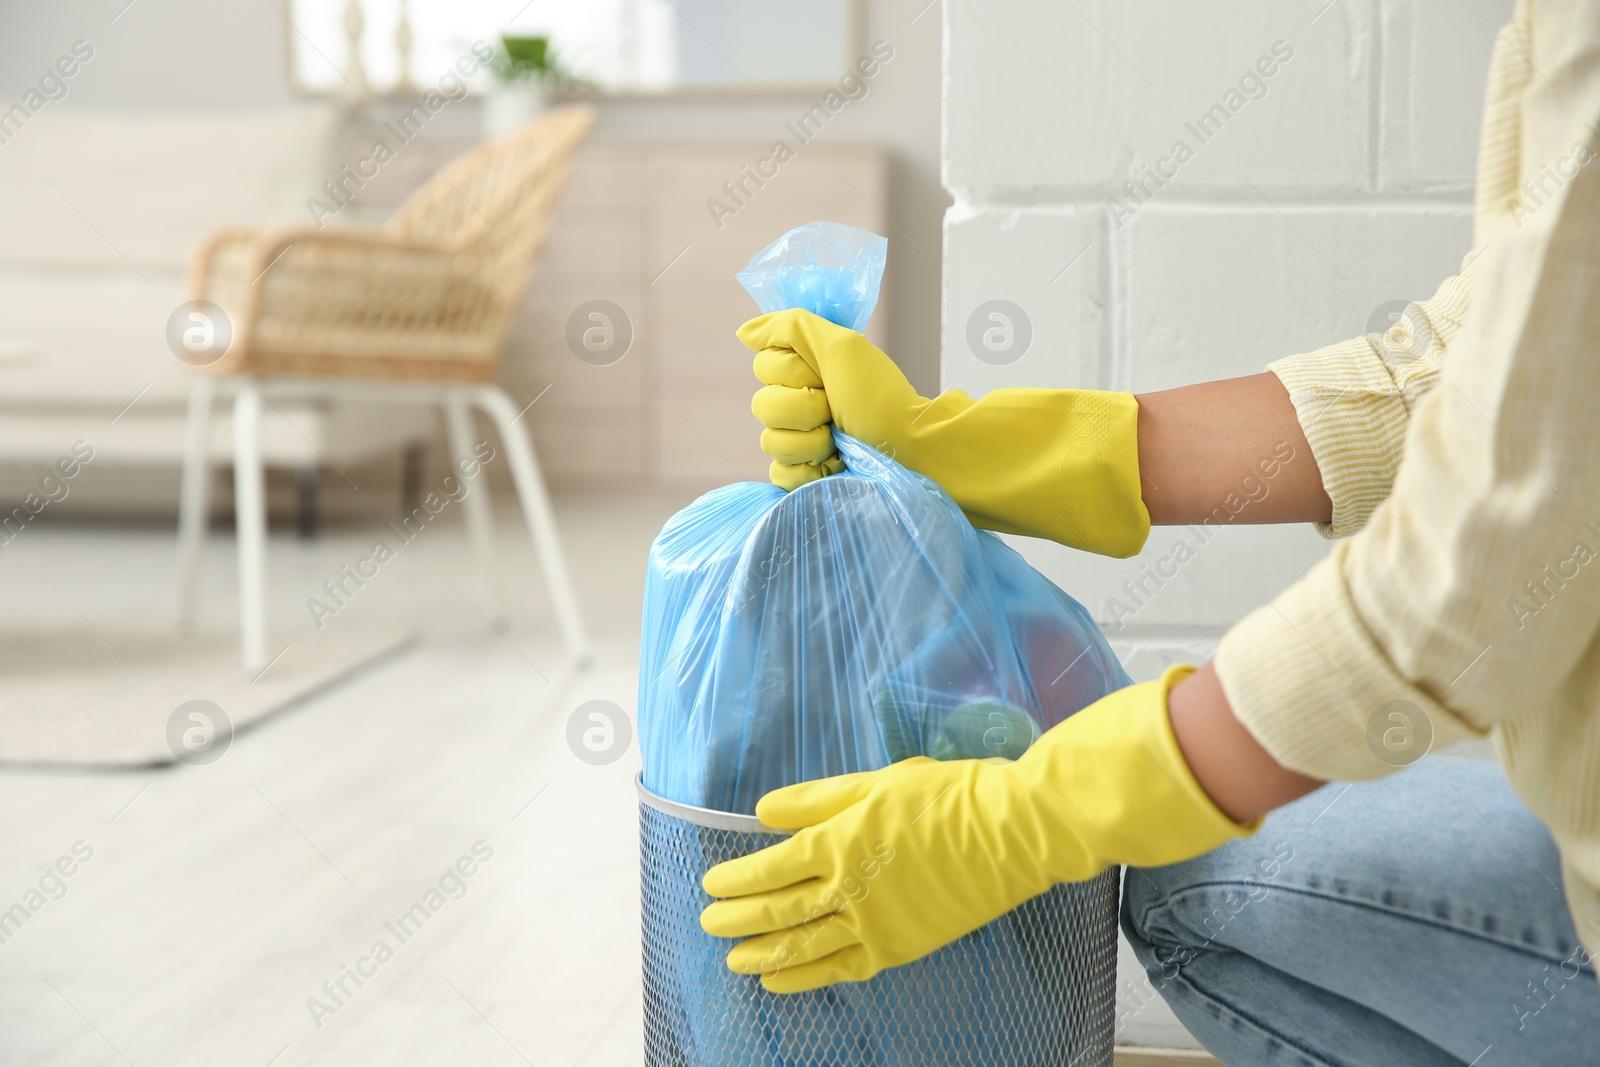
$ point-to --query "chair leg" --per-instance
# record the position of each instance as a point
(411, 478)
(192, 507)
(305, 483)
(251, 518)
(479, 511)
(541, 520)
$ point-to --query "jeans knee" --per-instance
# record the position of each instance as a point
(1154, 899)
(1147, 922)
(1139, 896)
(1173, 915)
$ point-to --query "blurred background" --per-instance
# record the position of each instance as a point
(422, 314)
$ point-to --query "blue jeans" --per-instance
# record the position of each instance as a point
(1417, 920)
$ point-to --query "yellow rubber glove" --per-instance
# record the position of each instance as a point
(1056, 463)
(886, 866)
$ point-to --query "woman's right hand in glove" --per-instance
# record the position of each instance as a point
(1055, 463)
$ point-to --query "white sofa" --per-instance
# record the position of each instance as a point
(99, 212)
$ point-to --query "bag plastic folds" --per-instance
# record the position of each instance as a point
(828, 268)
(854, 622)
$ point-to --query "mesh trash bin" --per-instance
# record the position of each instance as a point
(1035, 987)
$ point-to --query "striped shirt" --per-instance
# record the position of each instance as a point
(1461, 449)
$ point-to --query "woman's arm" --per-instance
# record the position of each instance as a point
(1241, 777)
(1202, 443)
(1197, 445)
(1340, 412)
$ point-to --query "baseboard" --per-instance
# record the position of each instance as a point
(1127, 1056)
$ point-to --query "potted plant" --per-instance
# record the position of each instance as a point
(527, 72)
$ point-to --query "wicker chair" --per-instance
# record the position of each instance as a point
(418, 309)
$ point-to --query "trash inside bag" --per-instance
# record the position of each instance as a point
(828, 268)
(856, 621)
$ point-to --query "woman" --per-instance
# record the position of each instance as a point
(1446, 915)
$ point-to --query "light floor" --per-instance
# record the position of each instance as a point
(218, 900)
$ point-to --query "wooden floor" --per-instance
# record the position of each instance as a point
(222, 910)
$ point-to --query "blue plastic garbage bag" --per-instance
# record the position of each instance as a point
(856, 621)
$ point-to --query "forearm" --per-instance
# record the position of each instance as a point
(1239, 775)
(1231, 451)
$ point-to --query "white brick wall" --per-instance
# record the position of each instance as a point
(1341, 182)
(1337, 182)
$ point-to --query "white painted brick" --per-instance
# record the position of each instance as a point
(1268, 242)
(1434, 66)
(1220, 292)
(1145, 659)
(1230, 574)
(1075, 95)
(1050, 264)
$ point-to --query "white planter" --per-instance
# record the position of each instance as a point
(509, 106)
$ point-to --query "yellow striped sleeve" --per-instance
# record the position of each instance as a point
(1500, 137)
(1471, 599)
(1354, 399)
(1309, 674)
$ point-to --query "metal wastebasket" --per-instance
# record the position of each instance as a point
(1035, 987)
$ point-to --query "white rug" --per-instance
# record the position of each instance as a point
(111, 698)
